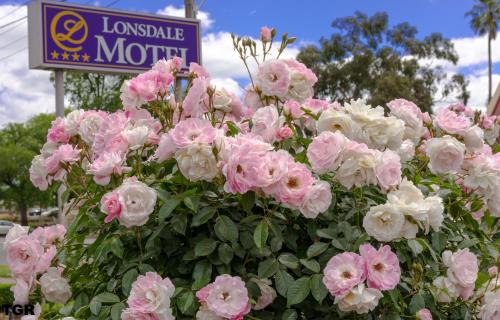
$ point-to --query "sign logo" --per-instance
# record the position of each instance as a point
(74, 30)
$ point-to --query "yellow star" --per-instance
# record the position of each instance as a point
(76, 56)
(65, 56)
(54, 54)
(86, 57)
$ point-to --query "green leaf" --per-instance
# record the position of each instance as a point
(248, 201)
(225, 253)
(312, 265)
(163, 195)
(439, 241)
(260, 234)
(226, 229)
(326, 233)
(233, 129)
(417, 302)
(316, 249)
(191, 203)
(127, 280)
(318, 289)
(179, 223)
(289, 314)
(167, 209)
(106, 297)
(467, 243)
(415, 247)
(116, 310)
(298, 291)
(186, 301)
(267, 268)
(283, 281)
(205, 247)
(201, 274)
(202, 216)
(95, 306)
(289, 260)
(117, 247)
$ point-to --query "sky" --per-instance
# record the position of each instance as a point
(24, 92)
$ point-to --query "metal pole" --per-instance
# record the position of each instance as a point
(59, 77)
(189, 12)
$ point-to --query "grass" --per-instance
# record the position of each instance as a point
(4, 271)
(6, 296)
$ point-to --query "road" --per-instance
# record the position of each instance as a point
(2, 251)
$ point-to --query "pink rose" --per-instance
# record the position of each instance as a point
(266, 122)
(57, 133)
(105, 165)
(493, 271)
(382, 266)
(252, 99)
(315, 105)
(325, 151)
(168, 66)
(424, 314)
(65, 154)
(306, 73)
(343, 272)
(266, 34)
(293, 186)
(426, 118)
(23, 256)
(226, 297)
(110, 204)
(199, 70)
(193, 102)
(462, 267)
(284, 133)
(48, 235)
(151, 84)
(399, 106)
(317, 200)
(166, 148)
(388, 171)
(273, 77)
(242, 168)
(131, 314)
(292, 108)
(451, 122)
(151, 294)
(192, 130)
(21, 291)
(38, 173)
(487, 122)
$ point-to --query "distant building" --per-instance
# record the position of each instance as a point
(494, 106)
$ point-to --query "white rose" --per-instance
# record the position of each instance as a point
(267, 293)
(362, 113)
(38, 173)
(72, 122)
(197, 162)
(494, 205)
(446, 154)
(359, 169)
(335, 120)
(222, 101)
(299, 88)
(435, 212)
(384, 222)
(406, 151)
(48, 149)
(491, 306)
(89, 126)
(382, 132)
(359, 299)
(205, 314)
(137, 202)
(266, 122)
(446, 290)
(54, 287)
(14, 233)
(491, 135)
(136, 137)
(474, 139)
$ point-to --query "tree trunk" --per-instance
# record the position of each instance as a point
(489, 68)
(23, 211)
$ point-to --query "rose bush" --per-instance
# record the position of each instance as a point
(199, 205)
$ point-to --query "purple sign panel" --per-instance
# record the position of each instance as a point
(96, 39)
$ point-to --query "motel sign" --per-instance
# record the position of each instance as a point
(69, 36)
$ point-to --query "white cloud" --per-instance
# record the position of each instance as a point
(229, 84)
(474, 50)
(204, 17)
(23, 92)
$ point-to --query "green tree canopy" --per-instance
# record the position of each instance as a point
(19, 143)
(366, 57)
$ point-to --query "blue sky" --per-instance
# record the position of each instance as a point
(307, 20)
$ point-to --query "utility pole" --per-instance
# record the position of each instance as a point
(189, 12)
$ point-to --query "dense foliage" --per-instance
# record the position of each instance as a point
(276, 207)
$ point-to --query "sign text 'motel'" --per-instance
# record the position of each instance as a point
(69, 36)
